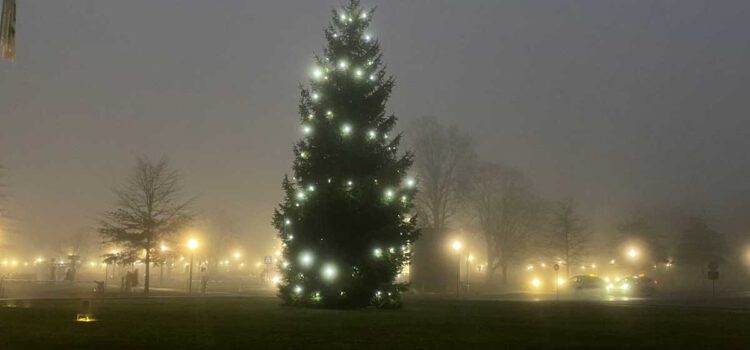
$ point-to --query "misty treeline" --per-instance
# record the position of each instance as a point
(461, 194)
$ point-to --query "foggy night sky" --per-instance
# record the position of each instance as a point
(616, 104)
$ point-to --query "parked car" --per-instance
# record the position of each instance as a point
(633, 285)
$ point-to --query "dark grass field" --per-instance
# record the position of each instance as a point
(260, 323)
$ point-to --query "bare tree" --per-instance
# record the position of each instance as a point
(148, 210)
(568, 237)
(508, 212)
(444, 160)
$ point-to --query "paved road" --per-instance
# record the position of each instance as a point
(738, 301)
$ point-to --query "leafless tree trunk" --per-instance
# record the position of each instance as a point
(147, 210)
(508, 212)
(568, 238)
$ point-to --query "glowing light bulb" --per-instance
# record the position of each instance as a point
(343, 17)
(315, 96)
(363, 15)
(536, 282)
(311, 188)
(632, 253)
(306, 259)
(358, 73)
(192, 244)
(307, 129)
(372, 77)
(329, 114)
(300, 195)
(287, 222)
(367, 37)
(297, 289)
(329, 272)
(317, 73)
(346, 129)
(349, 183)
(456, 245)
(310, 116)
(343, 64)
(372, 134)
(389, 194)
(410, 182)
(377, 252)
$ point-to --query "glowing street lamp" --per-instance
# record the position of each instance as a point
(633, 253)
(192, 244)
(456, 246)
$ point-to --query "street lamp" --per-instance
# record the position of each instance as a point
(457, 248)
(192, 245)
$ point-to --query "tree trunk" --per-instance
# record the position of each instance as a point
(147, 279)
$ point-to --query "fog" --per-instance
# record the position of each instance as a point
(620, 106)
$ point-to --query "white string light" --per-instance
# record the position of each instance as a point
(389, 194)
(329, 272)
(410, 182)
(317, 73)
(346, 129)
(306, 259)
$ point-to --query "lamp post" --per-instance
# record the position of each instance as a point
(457, 248)
(192, 244)
(469, 259)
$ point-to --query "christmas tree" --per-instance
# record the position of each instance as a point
(345, 223)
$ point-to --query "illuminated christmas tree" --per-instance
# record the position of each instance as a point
(345, 222)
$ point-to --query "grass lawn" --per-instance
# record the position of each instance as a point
(260, 323)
